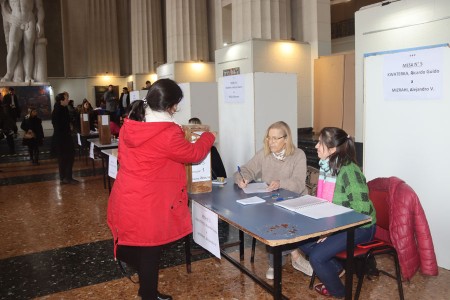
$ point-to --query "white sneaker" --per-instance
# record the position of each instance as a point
(302, 264)
(269, 273)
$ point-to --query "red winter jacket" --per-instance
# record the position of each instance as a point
(148, 205)
(408, 227)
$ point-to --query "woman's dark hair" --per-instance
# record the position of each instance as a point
(162, 95)
(345, 147)
(59, 97)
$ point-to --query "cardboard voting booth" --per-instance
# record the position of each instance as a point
(104, 133)
(85, 127)
(198, 175)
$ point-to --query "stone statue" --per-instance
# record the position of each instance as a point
(23, 23)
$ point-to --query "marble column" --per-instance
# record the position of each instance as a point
(261, 19)
(317, 26)
(146, 36)
(102, 38)
(187, 34)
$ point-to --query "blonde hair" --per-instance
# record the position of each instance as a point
(290, 147)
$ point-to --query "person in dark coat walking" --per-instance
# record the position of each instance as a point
(62, 142)
(34, 134)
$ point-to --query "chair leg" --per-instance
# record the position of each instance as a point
(399, 276)
(311, 281)
(361, 275)
(252, 258)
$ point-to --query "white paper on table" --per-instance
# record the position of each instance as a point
(91, 151)
(256, 187)
(112, 166)
(313, 207)
(251, 200)
(79, 139)
(205, 228)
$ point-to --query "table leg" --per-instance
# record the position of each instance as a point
(103, 171)
(241, 245)
(277, 273)
(349, 264)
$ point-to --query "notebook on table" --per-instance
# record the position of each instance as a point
(313, 207)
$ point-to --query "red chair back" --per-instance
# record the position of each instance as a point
(381, 204)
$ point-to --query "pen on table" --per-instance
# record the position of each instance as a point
(239, 170)
(281, 198)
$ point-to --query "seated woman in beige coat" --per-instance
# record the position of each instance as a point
(281, 165)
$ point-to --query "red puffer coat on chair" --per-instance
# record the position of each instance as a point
(408, 227)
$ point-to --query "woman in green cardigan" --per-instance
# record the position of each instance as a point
(342, 182)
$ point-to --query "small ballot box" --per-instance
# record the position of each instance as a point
(85, 127)
(198, 175)
(104, 133)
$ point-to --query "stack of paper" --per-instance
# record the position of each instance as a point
(255, 188)
(313, 207)
(251, 200)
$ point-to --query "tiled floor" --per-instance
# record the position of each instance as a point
(56, 245)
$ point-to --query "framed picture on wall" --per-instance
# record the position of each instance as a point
(37, 97)
(100, 91)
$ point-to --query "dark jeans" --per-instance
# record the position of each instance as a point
(145, 260)
(10, 141)
(33, 150)
(66, 156)
(322, 257)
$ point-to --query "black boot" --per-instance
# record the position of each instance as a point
(164, 297)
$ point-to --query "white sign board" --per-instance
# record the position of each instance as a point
(112, 166)
(202, 170)
(233, 87)
(205, 228)
(415, 74)
(91, 151)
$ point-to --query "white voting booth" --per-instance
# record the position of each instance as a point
(199, 100)
(137, 95)
(405, 62)
(248, 104)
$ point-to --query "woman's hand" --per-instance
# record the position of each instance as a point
(323, 238)
(243, 183)
(274, 185)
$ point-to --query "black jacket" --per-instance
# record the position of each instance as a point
(34, 124)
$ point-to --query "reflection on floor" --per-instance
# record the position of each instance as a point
(56, 245)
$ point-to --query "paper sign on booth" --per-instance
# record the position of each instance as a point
(112, 166)
(205, 228)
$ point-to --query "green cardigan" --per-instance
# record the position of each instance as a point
(351, 191)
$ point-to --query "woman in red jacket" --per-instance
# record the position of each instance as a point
(148, 206)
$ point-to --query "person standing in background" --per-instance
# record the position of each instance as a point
(124, 100)
(11, 104)
(147, 86)
(34, 134)
(110, 98)
(62, 142)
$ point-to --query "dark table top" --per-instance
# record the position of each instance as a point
(271, 224)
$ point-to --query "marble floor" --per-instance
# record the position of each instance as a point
(56, 245)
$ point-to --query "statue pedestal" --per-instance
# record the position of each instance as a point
(29, 83)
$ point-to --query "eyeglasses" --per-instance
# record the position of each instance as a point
(274, 139)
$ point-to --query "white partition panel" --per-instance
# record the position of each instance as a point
(268, 97)
(200, 100)
(408, 138)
